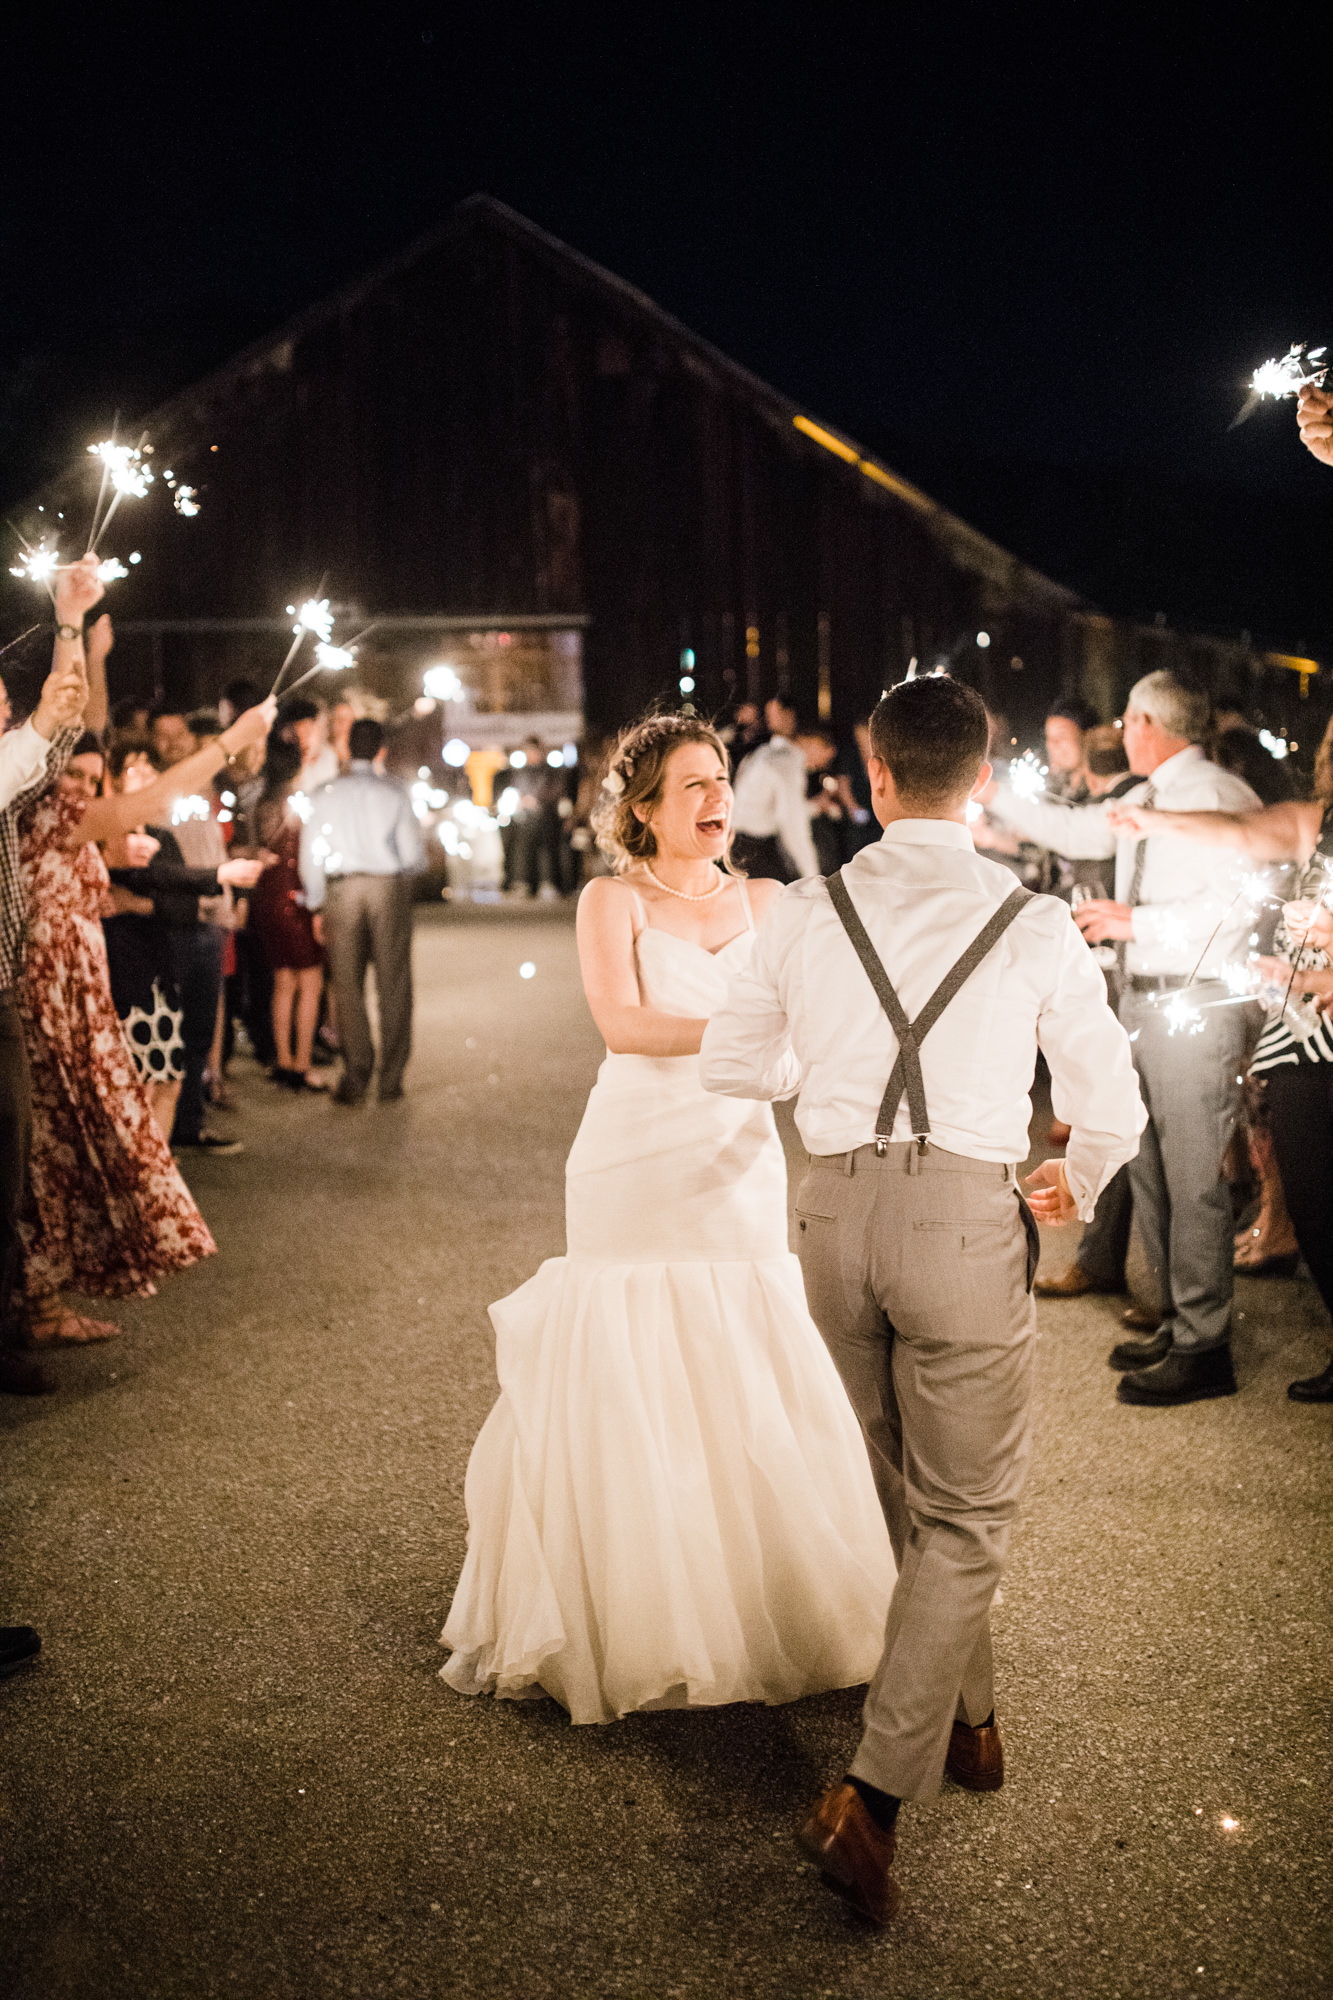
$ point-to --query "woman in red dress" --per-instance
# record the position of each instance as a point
(281, 922)
(107, 1212)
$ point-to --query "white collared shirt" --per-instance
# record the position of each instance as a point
(803, 1015)
(1186, 887)
(23, 755)
(769, 799)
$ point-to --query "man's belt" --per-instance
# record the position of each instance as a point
(1157, 982)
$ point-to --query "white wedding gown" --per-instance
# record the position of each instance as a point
(671, 1504)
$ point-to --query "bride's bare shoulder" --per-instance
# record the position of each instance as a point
(606, 902)
(762, 893)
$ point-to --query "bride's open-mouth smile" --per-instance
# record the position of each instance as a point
(713, 826)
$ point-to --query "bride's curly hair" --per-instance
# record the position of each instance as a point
(634, 775)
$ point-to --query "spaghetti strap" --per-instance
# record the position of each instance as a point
(745, 902)
(640, 913)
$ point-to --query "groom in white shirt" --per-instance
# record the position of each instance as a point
(921, 967)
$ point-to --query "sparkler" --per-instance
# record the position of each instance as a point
(19, 641)
(330, 659)
(125, 468)
(1323, 900)
(313, 616)
(188, 808)
(38, 564)
(1027, 777)
(1286, 377)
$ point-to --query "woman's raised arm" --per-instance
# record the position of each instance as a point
(119, 812)
(1284, 832)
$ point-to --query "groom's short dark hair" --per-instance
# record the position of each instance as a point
(932, 733)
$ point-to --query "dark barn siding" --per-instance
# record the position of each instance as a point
(492, 426)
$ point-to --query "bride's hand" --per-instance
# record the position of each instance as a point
(1048, 1194)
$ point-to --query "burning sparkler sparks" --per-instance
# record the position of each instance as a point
(313, 616)
(1027, 777)
(126, 470)
(188, 808)
(38, 564)
(1287, 377)
(186, 501)
(111, 570)
(1183, 1016)
(334, 659)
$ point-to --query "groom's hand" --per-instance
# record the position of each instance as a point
(1048, 1194)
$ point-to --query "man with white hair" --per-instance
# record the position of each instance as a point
(1176, 920)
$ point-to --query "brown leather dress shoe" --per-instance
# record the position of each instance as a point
(855, 1854)
(1072, 1284)
(1140, 1319)
(976, 1757)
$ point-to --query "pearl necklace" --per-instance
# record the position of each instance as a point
(684, 894)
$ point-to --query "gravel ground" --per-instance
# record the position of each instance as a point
(234, 1771)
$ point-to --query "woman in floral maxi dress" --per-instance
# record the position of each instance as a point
(107, 1213)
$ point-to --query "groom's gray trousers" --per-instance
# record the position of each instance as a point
(918, 1269)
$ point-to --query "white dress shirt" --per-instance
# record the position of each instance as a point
(769, 799)
(1186, 887)
(361, 824)
(23, 755)
(803, 1015)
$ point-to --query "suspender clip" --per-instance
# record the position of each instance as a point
(881, 1144)
(921, 1144)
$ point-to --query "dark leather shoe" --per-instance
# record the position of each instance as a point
(18, 1645)
(1072, 1284)
(342, 1095)
(1140, 1319)
(976, 1757)
(1314, 1389)
(1181, 1378)
(1140, 1353)
(855, 1854)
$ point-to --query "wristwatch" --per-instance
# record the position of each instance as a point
(69, 632)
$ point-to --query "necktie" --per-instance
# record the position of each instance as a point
(1136, 879)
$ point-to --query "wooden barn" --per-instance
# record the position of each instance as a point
(518, 466)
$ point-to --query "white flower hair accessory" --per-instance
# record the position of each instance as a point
(614, 783)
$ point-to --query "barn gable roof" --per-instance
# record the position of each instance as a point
(966, 546)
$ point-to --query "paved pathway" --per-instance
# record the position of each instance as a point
(235, 1773)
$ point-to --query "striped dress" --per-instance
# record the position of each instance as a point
(1279, 1046)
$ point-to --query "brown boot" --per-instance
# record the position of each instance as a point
(1072, 1284)
(855, 1854)
(976, 1756)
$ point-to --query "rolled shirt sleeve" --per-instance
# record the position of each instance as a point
(747, 1049)
(23, 755)
(1094, 1085)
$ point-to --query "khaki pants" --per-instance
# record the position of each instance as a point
(918, 1269)
(368, 921)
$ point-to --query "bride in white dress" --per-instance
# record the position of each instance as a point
(671, 1504)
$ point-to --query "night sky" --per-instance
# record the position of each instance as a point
(1029, 255)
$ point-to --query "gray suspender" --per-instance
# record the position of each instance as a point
(906, 1072)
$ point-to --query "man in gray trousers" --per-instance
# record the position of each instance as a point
(920, 965)
(360, 848)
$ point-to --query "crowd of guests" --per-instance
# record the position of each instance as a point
(176, 879)
(169, 880)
